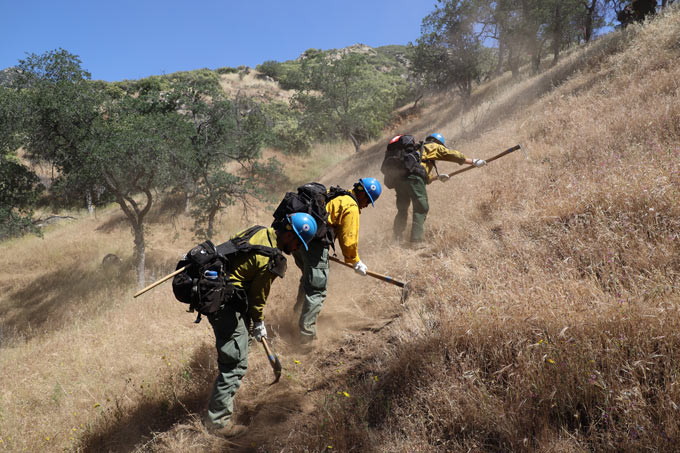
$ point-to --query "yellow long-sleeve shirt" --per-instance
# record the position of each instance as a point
(251, 272)
(343, 217)
(434, 151)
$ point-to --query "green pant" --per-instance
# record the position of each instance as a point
(411, 190)
(313, 285)
(231, 340)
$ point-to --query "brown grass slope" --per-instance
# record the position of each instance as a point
(545, 313)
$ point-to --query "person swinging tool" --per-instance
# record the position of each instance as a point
(410, 188)
(251, 272)
(343, 208)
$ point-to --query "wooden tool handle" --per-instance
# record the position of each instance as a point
(385, 278)
(490, 159)
(158, 282)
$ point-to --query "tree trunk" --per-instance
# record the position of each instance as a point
(536, 62)
(513, 60)
(465, 90)
(415, 103)
(135, 217)
(557, 34)
(89, 203)
(188, 196)
(536, 47)
(590, 11)
(501, 51)
(187, 202)
(140, 255)
(356, 143)
(211, 221)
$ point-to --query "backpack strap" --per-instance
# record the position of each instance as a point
(241, 244)
(337, 191)
(418, 170)
(236, 244)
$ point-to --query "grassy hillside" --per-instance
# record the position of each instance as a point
(544, 315)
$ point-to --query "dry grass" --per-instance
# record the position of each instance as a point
(85, 366)
(547, 316)
(251, 85)
(544, 315)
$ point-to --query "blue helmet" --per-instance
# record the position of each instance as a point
(304, 226)
(372, 187)
(437, 136)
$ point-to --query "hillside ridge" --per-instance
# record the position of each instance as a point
(544, 315)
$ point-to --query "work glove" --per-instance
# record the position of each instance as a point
(478, 162)
(360, 268)
(259, 330)
(443, 177)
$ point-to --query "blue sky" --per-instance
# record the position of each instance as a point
(131, 39)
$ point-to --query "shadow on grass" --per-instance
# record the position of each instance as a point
(163, 211)
(53, 299)
(180, 396)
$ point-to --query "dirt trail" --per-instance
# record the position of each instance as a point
(355, 320)
(347, 333)
(279, 409)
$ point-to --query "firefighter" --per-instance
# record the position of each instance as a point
(252, 274)
(412, 188)
(343, 224)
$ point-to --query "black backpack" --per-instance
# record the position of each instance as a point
(402, 159)
(310, 198)
(208, 294)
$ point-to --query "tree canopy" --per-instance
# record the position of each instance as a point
(133, 140)
(344, 97)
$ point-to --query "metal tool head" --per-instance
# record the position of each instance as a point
(276, 365)
(521, 148)
(273, 361)
(405, 292)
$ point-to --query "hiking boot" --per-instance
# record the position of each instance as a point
(417, 245)
(307, 339)
(228, 431)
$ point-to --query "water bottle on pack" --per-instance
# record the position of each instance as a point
(210, 275)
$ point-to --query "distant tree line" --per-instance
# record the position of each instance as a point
(466, 41)
(338, 95)
(353, 95)
(129, 142)
(125, 142)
